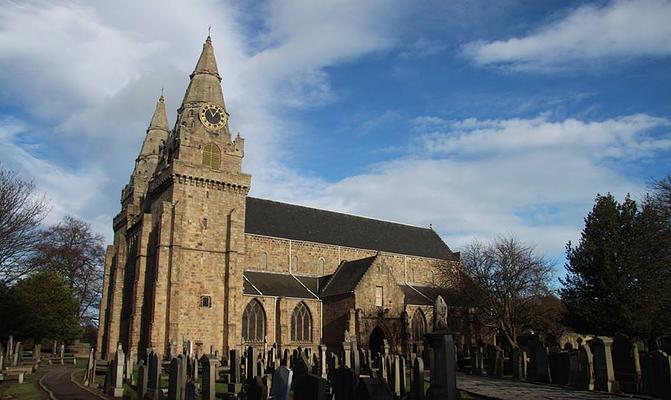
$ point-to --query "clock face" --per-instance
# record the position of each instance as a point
(212, 116)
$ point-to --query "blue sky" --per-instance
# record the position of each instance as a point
(477, 117)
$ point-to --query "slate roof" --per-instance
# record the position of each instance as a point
(276, 284)
(347, 276)
(429, 294)
(271, 218)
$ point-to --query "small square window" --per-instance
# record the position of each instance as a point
(206, 301)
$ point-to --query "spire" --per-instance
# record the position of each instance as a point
(205, 85)
(207, 64)
(160, 119)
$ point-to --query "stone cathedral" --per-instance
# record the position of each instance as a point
(194, 257)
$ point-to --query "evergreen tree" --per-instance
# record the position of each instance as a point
(599, 285)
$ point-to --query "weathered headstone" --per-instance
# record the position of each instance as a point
(586, 369)
(604, 376)
(402, 376)
(282, 379)
(209, 379)
(356, 360)
(517, 360)
(176, 379)
(373, 389)
(626, 364)
(345, 384)
(117, 372)
(444, 372)
(256, 390)
(540, 366)
(309, 387)
(301, 367)
(573, 367)
(153, 375)
(418, 390)
(234, 364)
(142, 379)
(322, 362)
(250, 359)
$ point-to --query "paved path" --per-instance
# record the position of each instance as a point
(56, 378)
(506, 389)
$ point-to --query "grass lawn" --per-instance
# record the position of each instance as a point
(29, 390)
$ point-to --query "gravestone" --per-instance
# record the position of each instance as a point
(256, 390)
(626, 364)
(395, 376)
(142, 379)
(573, 367)
(540, 366)
(586, 371)
(322, 362)
(661, 374)
(347, 351)
(90, 369)
(373, 389)
(309, 387)
(286, 359)
(234, 364)
(518, 364)
(153, 375)
(250, 359)
(439, 314)
(190, 389)
(176, 379)
(116, 389)
(444, 372)
(345, 384)
(282, 379)
(356, 360)
(418, 390)
(604, 376)
(209, 378)
(402, 376)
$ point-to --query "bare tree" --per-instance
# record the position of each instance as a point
(505, 279)
(21, 213)
(72, 249)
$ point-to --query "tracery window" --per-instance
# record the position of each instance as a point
(212, 156)
(254, 322)
(301, 324)
(418, 326)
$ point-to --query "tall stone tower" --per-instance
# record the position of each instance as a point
(175, 269)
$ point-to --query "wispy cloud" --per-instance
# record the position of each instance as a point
(618, 30)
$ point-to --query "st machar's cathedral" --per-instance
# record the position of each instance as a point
(194, 257)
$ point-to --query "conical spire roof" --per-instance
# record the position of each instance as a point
(207, 64)
(205, 85)
(160, 119)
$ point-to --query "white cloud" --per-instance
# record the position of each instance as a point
(534, 177)
(85, 77)
(619, 30)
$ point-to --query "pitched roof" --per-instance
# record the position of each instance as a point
(276, 284)
(347, 276)
(427, 295)
(271, 218)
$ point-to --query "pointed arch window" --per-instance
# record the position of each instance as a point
(253, 322)
(418, 326)
(301, 324)
(294, 263)
(212, 156)
(320, 265)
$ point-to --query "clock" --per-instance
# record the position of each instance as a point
(213, 116)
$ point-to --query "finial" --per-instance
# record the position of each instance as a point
(209, 29)
(161, 98)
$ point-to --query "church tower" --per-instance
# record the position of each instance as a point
(196, 199)
(175, 269)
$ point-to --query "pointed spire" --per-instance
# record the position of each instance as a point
(207, 64)
(160, 119)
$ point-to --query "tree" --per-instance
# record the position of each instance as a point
(506, 278)
(616, 276)
(21, 213)
(42, 306)
(74, 251)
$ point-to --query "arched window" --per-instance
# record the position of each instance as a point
(294, 263)
(211, 156)
(254, 322)
(418, 326)
(320, 265)
(264, 260)
(301, 324)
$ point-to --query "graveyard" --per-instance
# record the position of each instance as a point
(597, 368)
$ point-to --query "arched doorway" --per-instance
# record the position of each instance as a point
(376, 341)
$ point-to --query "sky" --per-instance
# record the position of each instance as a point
(476, 117)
